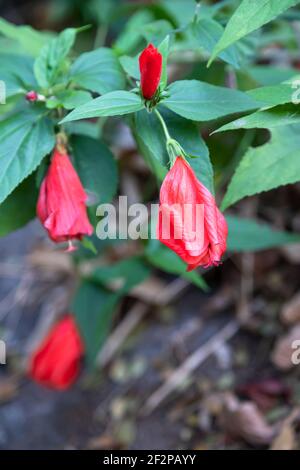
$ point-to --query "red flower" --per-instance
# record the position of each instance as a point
(150, 67)
(61, 205)
(56, 363)
(190, 223)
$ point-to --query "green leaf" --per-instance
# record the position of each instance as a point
(273, 95)
(51, 60)
(156, 31)
(95, 302)
(115, 103)
(19, 207)
(249, 235)
(249, 16)
(278, 116)
(269, 75)
(163, 258)
(11, 86)
(69, 99)
(122, 276)
(94, 309)
(201, 101)
(96, 167)
(98, 71)
(130, 37)
(31, 40)
(25, 138)
(273, 164)
(90, 129)
(207, 32)
(164, 50)
(151, 140)
(131, 66)
(17, 73)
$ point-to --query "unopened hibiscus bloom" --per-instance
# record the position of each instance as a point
(56, 361)
(150, 62)
(61, 205)
(190, 222)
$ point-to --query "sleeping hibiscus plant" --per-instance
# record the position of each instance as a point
(62, 115)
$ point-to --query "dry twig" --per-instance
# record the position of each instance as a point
(190, 365)
(134, 317)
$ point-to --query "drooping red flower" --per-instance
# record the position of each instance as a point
(190, 223)
(56, 362)
(61, 205)
(150, 67)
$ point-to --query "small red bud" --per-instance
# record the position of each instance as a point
(32, 96)
(151, 68)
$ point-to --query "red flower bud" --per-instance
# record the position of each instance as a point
(150, 67)
(56, 362)
(190, 223)
(31, 96)
(61, 205)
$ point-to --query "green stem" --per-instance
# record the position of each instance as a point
(174, 149)
(197, 9)
(164, 126)
(101, 34)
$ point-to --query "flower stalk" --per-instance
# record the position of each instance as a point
(173, 147)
